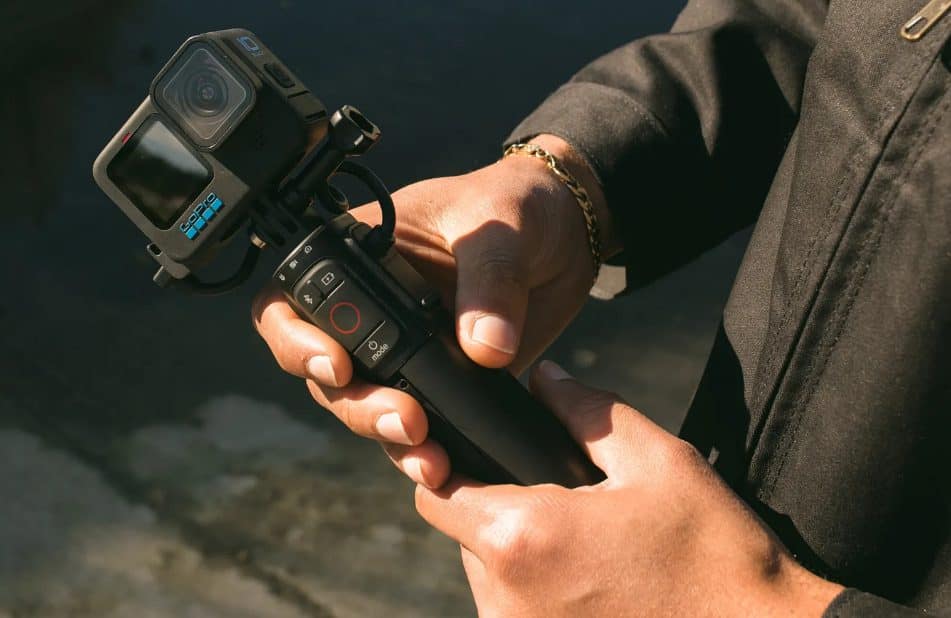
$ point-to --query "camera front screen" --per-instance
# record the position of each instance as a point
(159, 173)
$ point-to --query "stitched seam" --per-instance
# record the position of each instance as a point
(843, 307)
(764, 398)
(802, 272)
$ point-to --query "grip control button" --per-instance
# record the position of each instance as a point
(380, 343)
(294, 267)
(345, 317)
(327, 276)
(308, 295)
(348, 315)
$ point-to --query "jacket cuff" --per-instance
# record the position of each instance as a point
(852, 603)
(615, 135)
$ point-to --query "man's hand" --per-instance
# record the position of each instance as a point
(661, 536)
(507, 247)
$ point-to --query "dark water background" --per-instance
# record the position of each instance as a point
(130, 413)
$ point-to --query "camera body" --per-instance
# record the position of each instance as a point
(224, 121)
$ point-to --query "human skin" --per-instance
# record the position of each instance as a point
(501, 243)
(661, 536)
(507, 246)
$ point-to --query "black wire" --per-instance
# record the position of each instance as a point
(197, 286)
(381, 238)
(378, 241)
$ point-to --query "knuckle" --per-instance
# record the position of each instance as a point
(677, 454)
(288, 356)
(517, 541)
(346, 412)
(498, 270)
(599, 402)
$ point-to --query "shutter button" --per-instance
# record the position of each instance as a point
(348, 315)
(345, 317)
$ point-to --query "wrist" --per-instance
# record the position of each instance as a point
(579, 167)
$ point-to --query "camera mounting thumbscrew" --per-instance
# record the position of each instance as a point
(352, 133)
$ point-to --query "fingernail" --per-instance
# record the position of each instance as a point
(553, 371)
(390, 427)
(496, 333)
(322, 370)
(414, 470)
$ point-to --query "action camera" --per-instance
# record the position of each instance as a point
(230, 147)
(224, 121)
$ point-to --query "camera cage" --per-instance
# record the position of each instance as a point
(267, 164)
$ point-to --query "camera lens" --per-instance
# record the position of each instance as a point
(205, 96)
(205, 93)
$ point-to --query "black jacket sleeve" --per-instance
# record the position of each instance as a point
(685, 130)
(851, 603)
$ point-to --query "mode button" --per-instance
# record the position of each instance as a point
(378, 345)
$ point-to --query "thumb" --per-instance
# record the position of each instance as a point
(491, 299)
(615, 436)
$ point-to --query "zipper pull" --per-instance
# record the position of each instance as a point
(917, 26)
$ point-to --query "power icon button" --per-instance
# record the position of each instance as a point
(345, 317)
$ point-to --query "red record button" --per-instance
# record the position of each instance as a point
(345, 317)
(348, 315)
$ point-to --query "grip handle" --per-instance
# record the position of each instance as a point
(491, 426)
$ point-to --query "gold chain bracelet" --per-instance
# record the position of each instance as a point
(584, 201)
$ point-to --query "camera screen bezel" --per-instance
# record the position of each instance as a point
(133, 144)
(236, 72)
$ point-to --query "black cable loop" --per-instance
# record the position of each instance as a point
(380, 238)
(377, 242)
(195, 285)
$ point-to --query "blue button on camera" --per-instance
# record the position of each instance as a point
(250, 44)
(200, 217)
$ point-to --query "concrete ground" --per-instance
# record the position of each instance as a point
(241, 506)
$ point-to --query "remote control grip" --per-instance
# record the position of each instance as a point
(490, 425)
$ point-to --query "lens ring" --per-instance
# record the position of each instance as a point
(204, 96)
(205, 93)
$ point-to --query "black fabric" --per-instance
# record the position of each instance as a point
(827, 397)
(699, 117)
(851, 602)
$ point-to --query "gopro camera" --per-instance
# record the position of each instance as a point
(224, 121)
(229, 140)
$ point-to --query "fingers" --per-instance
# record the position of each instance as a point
(426, 464)
(299, 347)
(373, 411)
(613, 434)
(462, 509)
(476, 573)
(491, 298)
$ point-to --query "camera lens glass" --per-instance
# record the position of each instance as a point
(203, 95)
